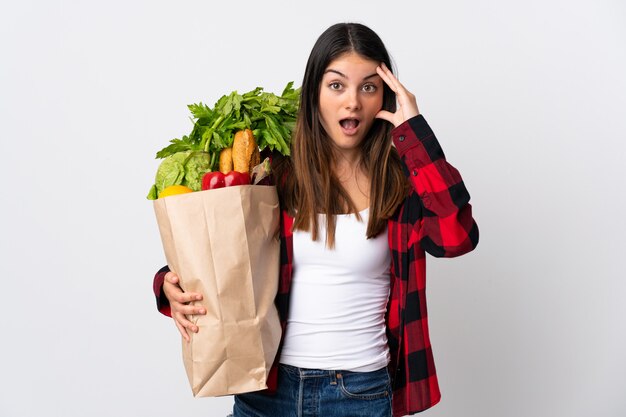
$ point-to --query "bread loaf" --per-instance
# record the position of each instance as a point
(226, 160)
(245, 151)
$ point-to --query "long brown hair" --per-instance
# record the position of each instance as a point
(310, 185)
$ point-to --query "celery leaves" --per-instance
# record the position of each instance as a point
(271, 118)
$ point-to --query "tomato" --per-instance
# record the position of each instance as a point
(236, 178)
(212, 180)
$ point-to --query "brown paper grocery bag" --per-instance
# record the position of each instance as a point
(223, 243)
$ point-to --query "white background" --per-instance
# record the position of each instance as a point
(527, 98)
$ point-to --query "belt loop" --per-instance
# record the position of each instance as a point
(333, 377)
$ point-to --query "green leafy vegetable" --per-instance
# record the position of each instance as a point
(181, 168)
(272, 119)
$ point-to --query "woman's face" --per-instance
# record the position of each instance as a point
(351, 94)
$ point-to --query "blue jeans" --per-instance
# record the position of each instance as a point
(319, 393)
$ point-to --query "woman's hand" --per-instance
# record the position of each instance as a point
(179, 303)
(407, 105)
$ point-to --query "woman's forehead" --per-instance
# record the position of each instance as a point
(352, 65)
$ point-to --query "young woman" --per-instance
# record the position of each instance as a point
(358, 216)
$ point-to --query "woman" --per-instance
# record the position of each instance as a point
(358, 216)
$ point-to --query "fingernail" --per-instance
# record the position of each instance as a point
(202, 311)
(198, 297)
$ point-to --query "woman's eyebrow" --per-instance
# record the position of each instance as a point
(336, 72)
(346, 77)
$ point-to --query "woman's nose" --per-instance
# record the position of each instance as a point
(352, 100)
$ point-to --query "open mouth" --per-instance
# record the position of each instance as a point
(349, 124)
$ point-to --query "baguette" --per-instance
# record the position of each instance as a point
(245, 151)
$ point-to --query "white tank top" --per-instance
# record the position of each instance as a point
(338, 299)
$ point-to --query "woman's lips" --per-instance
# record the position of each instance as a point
(349, 126)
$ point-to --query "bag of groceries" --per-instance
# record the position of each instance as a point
(219, 225)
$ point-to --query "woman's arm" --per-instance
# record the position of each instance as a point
(446, 227)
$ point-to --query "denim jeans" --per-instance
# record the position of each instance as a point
(320, 393)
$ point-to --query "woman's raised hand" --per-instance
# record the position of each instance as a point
(179, 304)
(407, 105)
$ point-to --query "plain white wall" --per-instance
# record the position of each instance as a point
(527, 98)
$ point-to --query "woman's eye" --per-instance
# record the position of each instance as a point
(335, 86)
(369, 88)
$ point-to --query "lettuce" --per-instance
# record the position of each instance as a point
(181, 168)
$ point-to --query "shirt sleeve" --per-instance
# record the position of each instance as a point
(163, 304)
(446, 227)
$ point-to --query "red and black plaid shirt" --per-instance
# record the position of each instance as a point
(436, 217)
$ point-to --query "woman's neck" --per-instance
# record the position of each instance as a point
(354, 179)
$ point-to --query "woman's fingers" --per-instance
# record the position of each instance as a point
(384, 73)
(407, 105)
(174, 292)
(188, 310)
(184, 325)
(388, 77)
(185, 322)
(181, 305)
(171, 277)
(386, 115)
(183, 331)
(182, 297)
(393, 81)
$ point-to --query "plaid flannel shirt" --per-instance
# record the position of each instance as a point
(436, 217)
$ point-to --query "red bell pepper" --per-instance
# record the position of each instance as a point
(215, 179)
(236, 178)
(212, 180)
